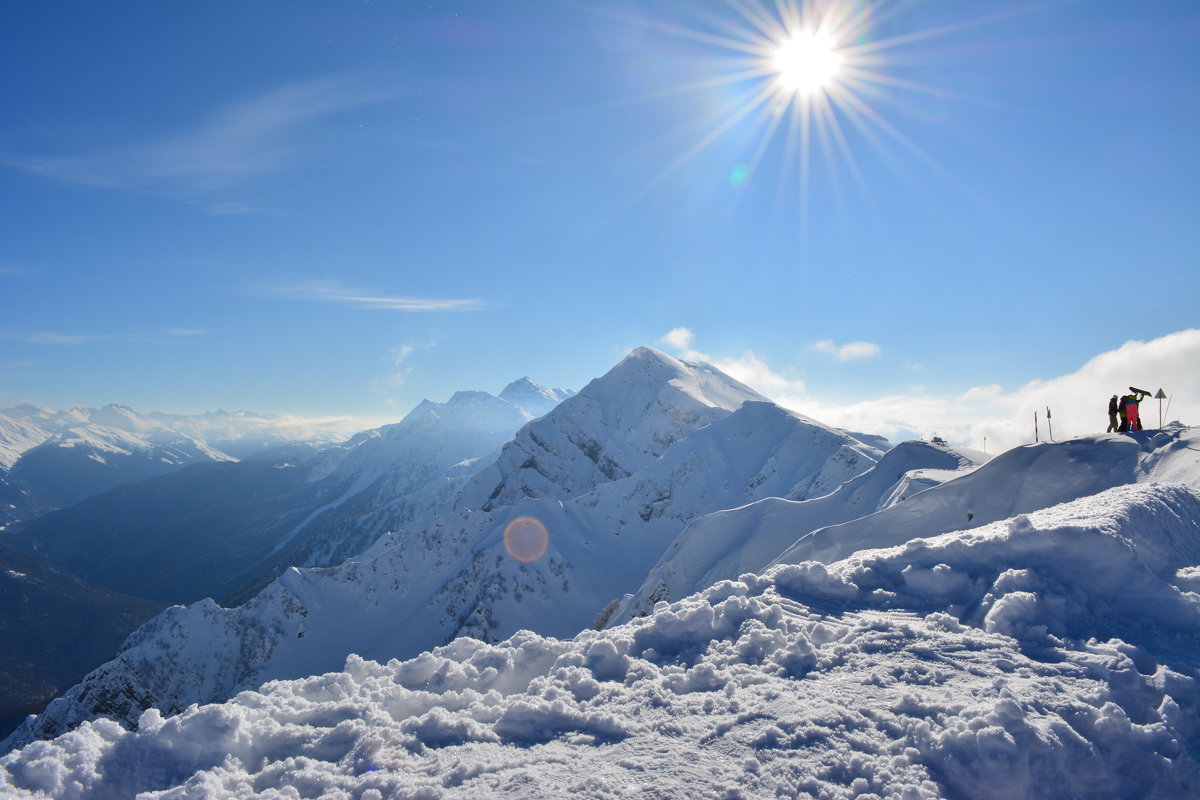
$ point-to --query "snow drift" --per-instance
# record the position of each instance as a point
(901, 498)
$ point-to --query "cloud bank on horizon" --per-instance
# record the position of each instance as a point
(986, 416)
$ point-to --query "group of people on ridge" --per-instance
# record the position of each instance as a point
(1127, 409)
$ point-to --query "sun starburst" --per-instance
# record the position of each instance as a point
(814, 75)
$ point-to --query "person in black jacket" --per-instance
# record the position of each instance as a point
(1113, 425)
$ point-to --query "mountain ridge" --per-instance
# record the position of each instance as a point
(451, 577)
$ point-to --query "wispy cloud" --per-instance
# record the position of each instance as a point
(237, 142)
(989, 415)
(747, 368)
(50, 337)
(60, 338)
(396, 361)
(8, 268)
(334, 292)
(237, 209)
(854, 351)
(302, 426)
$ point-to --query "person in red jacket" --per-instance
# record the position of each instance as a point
(1131, 410)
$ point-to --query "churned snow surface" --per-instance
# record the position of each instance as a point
(1052, 654)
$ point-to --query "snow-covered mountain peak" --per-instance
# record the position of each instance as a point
(125, 419)
(30, 410)
(521, 386)
(649, 388)
(535, 399)
(702, 382)
(465, 410)
(616, 425)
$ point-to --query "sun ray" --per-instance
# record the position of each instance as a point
(822, 111)
(839, 136)
(763, 95)
(757, 16)
(870, 114)
(727, 42)
(883, 79)
(938, 32)
(773, 119)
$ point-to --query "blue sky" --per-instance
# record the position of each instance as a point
(343, 208)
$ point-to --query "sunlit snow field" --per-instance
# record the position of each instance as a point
(1051, 654)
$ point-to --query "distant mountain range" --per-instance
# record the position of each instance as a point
(209, 525)
(224, 528)
(51, 459)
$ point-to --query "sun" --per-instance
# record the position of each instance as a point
(807, 63)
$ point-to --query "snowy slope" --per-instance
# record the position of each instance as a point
(400, 474)
(665, 431)
(744, 539)
(1015, 482)
(26, 426)
(17, 435)
(889, 505)
(1054, 654)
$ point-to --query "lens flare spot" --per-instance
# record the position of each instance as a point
(526, 539)
(738, 175)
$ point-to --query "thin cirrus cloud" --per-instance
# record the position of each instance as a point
(748, 368)
(332, 292)
(238, 142)
(59, 338)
